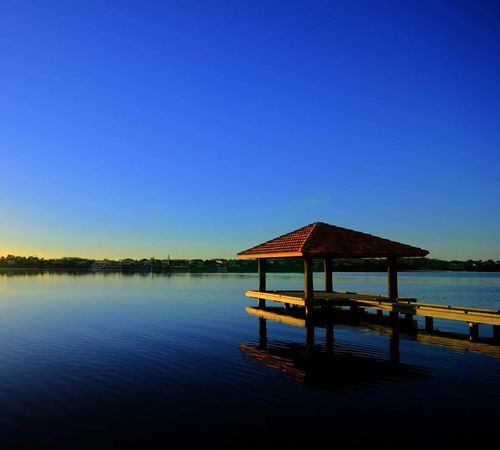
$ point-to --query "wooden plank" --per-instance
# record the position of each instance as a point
(459, 314)
(294, 300)
(443, 312)
(451, 313)
(358, 296)
(459, 308)
(320, 297)
(347, 295)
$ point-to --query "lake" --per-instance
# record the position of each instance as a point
(115, 361)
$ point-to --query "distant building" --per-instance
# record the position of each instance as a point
(220, 265)
(103, 264)
(179, 264)
(127, 263)
(196, 264)
(220, 261)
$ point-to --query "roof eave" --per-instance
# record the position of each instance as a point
(269, 255)
(416, 254)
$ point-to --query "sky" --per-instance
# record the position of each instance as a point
(201, 128)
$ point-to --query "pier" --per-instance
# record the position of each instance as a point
(401, 309)
(327, 242)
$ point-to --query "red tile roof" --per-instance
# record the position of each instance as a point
(321, 240)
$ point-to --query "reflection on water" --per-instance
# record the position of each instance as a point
(329, 366)
(110, 361)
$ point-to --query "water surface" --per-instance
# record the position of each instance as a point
(112, 361)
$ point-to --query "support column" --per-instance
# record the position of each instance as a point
(261, 264)
(473, 331)
(328, 275)
(496, 333)
(429, 323)
(392, 278)
(308, 284)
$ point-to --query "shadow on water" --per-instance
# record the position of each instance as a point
(327, 365)
(334, 366)
(380, 324)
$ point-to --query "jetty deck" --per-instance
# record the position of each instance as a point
(403, 305)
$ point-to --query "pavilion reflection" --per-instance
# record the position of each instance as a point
(326, 365)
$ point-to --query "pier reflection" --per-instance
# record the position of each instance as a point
(323, 363)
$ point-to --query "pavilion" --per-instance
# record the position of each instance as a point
(324, 241)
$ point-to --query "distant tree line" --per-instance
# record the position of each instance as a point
(369, 265)
(239, 266)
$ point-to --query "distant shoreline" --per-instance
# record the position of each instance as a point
(176, 272)
(221, 265)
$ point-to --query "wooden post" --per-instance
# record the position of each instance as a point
(328, 275)
(380, 313)
(262, 280)
(429, 323)
(392, 278)
(496, 333)
(308, 284)
(473, 331)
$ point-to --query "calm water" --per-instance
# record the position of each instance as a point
(110, 361)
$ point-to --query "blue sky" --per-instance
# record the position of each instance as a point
(200, 128)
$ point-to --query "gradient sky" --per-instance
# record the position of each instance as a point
(200, 128)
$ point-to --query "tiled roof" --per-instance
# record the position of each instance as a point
(321, 239)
